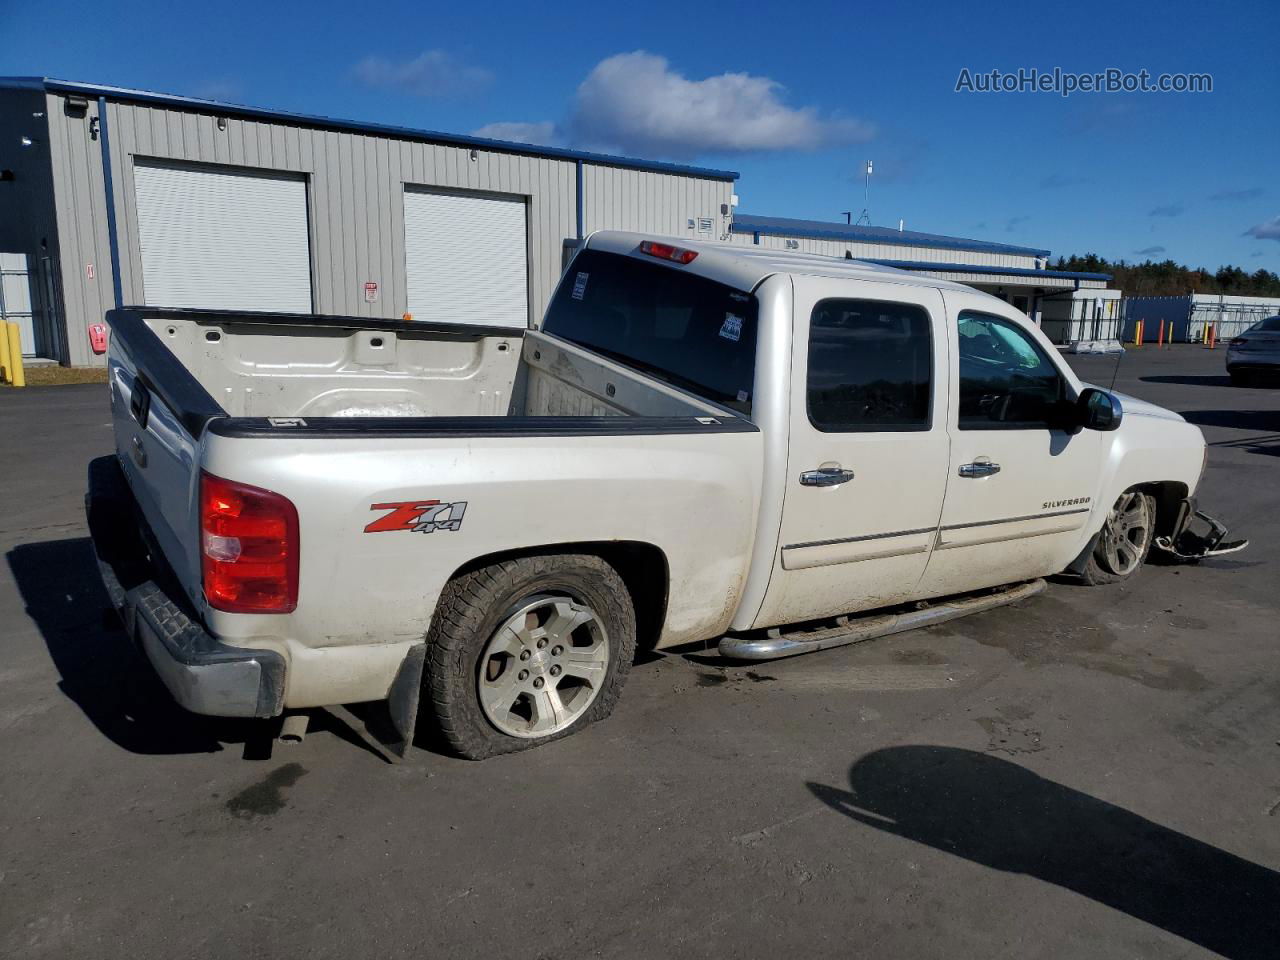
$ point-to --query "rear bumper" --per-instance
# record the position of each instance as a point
(203, 674)
(1241, 362)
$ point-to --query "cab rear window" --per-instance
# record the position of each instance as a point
(689, 331)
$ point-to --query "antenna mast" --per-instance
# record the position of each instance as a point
(865, 218)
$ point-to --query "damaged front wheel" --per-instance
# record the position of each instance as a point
(1124, 541)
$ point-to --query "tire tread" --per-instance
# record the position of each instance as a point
(459, 631)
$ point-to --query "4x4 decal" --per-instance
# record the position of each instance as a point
(418, 516)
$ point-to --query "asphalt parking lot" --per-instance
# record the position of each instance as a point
(1091, 773)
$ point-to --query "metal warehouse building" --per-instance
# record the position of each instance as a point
(1070, 307)
(111, 197)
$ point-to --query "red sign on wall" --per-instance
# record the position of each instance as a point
(371, 292)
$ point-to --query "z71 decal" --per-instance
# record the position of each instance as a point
(418, 516)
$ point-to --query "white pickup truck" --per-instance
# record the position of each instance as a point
(776, 452)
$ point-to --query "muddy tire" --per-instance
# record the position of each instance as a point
(527, 651)
(1125, 540)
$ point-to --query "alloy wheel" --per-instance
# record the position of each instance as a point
(543, 667)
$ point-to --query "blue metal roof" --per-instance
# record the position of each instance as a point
(986, 269)
(822, 230)
(355, 126)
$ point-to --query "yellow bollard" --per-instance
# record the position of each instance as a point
(17, 376)
(5, 365)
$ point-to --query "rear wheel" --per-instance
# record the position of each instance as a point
(526, 651)
(1125, 540)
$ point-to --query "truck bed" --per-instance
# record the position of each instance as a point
(277, 367)
(538, 440)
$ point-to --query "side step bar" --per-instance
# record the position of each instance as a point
(777, 644)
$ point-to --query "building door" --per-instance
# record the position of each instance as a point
(867, 465)
(15, 298)
(466, 258)
(222, 239)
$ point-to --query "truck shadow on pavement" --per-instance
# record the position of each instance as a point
(1190, 380)
(107, 677)
(1000, 815)
(1265, 423)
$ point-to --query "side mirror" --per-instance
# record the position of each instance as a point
(1099, 410)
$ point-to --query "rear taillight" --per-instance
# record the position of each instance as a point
(1237, 341)
(248, 547)
(665, 251)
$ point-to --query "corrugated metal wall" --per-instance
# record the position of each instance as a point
(355, 195)
(355, 192)
(615, 198)
(82, 225)
(889, 251)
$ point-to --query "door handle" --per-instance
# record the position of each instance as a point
(827, 475)
(982, 467)
(139, 451)
(140, 402)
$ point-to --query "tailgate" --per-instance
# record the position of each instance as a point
(158, 414)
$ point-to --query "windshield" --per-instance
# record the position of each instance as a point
(1269, 325)
(687, 330)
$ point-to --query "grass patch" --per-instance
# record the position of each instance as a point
(55, 376)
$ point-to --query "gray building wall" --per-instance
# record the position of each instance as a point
(83, 239)
(616, 198)
(355, 190)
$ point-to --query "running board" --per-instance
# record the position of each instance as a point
(778, 644)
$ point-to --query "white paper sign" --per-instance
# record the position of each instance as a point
(731, 329)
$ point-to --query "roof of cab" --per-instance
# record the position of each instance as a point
(745, 267)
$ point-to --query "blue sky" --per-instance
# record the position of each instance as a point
(794, 96)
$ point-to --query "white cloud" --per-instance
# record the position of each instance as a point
(1267, 230)
(433, 73)
(635, 103)
(542, 134)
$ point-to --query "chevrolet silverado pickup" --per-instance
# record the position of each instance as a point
(774, 452)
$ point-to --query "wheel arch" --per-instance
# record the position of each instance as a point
(643, 567)
(1168, 495)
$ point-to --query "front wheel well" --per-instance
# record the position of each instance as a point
(1168, 495)
(642, 566)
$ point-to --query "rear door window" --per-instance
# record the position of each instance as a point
(689, 331)
(870, 366)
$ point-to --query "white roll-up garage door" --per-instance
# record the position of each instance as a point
(466, 258)
(223, 239)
